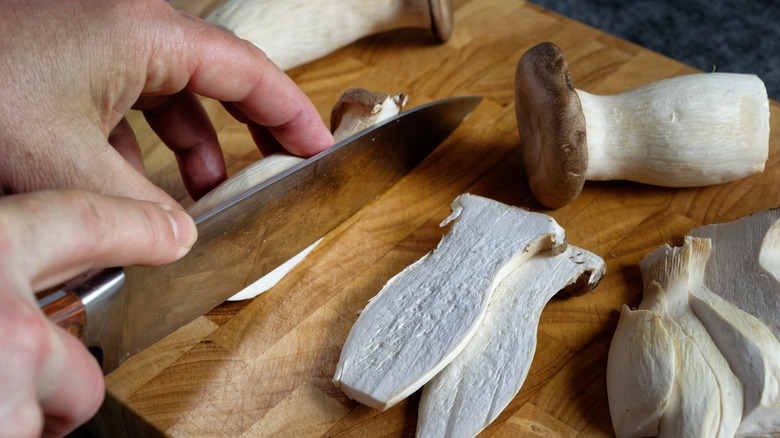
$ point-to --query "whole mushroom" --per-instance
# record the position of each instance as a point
(294, 32)
(689, 131)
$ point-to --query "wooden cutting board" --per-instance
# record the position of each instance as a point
(263, 367)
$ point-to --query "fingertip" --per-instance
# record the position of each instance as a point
(184, 230)
(304, 135)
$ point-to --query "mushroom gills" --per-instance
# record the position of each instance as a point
(470, 392)
(425, 315)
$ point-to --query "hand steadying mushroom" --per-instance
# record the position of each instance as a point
(688, 131)
(294, 32)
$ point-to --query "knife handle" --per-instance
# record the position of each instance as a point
(90, 307)
(65, 308)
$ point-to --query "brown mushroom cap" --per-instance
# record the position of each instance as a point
(441, 18)
(369, 101)
(551, 126)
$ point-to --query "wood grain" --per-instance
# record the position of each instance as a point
(263, 367)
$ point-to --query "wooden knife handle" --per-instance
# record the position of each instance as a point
(84, 305)
(65, 309)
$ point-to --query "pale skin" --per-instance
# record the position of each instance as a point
(71, 70)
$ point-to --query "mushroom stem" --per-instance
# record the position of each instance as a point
(294, 32)
(688, 131)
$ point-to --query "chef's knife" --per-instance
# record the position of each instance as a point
(118, 312)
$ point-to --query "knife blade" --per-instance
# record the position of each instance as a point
(117, 312)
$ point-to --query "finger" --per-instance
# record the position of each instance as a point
(49, 381)
(183, 125)
(264, 140)
(71, 388)
(224, 67)
(123, 140)
(59, 234)
(261, 135)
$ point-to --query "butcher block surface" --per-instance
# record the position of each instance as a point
(263, 367)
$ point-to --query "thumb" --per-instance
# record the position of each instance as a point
(60, 234)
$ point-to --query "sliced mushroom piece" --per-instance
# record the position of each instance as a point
(689, 131)
(753, 352)
(295, 32)
(644, 400)
(750, 348)
(744, 267)
(424, 316)
(467, 395)
(641, 373)
(358, 109)
(670, 275)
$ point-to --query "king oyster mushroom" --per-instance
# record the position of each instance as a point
(424, 316)
(655, 387)
(689, 131)
(467, 395)
(294, 32)
(356, 109)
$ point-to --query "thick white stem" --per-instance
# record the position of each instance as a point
(688, 131)
(294, 32)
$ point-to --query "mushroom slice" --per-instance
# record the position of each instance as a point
(467, 395)
(424, 316)
(688, 131)
(744, 267)
(358, 109)
(678, 272)
(753, 353)
(640, 373)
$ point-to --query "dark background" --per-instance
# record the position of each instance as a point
(736, 36)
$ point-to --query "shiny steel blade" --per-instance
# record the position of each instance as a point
(246, 237)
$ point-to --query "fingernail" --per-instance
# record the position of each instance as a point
(184, 229)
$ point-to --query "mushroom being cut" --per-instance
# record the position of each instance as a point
(356, 109)
(425, 315)
(295, 32)
(688, 131)
(467, 395)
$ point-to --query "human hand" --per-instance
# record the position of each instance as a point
(49, 382)
(72, 70)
